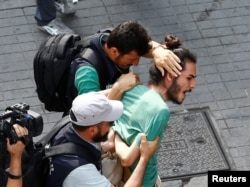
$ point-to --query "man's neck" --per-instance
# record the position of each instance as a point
(159, 89)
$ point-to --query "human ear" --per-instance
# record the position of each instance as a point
(169, 77)
(114, 51)
(92, 130)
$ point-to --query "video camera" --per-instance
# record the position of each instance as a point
(19, 114)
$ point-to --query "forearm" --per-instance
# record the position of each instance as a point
(147, 149)
(16, 170)
(127, 154)
(153, 44)
(113, 93)
(124, 83)
(116, 92)
(136, 178)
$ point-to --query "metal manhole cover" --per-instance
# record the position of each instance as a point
(190, 146)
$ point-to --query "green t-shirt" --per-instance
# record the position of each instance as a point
(144, 112)
(86, 80)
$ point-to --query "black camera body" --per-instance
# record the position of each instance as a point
(20, 114)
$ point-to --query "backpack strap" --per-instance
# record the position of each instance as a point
(67, 41)
(94, 60)
(67, 148)
(44, 140)
(58, 126)
(70, 148)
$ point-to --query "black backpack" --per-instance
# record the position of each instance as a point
(53, 72)
(51, 66)
(35, 163)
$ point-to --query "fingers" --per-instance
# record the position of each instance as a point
(171, 68)
(153, 146)
(130, 75)
(137, 79)
(148, 148)
(162, 70)
(20, 131)
(176, 59)
(128, 81)
(157, 140)
(174, 67)
(135, 76)
(166, 59)
(143, 137)
(154, 143)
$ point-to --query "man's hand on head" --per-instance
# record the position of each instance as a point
(166, 59)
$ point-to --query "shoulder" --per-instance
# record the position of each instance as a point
(87, 169)
(86, 175)
(86, 68)
(137, 91)
(86, 71)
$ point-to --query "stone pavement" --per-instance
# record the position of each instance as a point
(216, 30)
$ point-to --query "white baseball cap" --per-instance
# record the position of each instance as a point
(94, 107)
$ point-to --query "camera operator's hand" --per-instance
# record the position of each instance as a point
(16, 150)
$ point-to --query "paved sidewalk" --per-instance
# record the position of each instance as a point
(218, 31)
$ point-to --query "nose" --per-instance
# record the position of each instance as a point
(193, 84)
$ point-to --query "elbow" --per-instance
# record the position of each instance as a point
(126, 162)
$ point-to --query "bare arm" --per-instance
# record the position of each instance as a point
(127, 154)
(15, 168)
(123, 84)
(147, 149)
(16, 151)
(164, 59)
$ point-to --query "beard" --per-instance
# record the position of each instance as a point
(173, 92)
(100, 138)
(118, 64)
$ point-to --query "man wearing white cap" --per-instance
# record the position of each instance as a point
(91, 116)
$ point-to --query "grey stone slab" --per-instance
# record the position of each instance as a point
(232, 85)
(212, 41)
(212, 105)
(228, 76)
(12, 4)
(242, 102)
(205, 98)
(175, 183)
(189, 146)
(226, 104)
(230, 113)
(197, 182)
